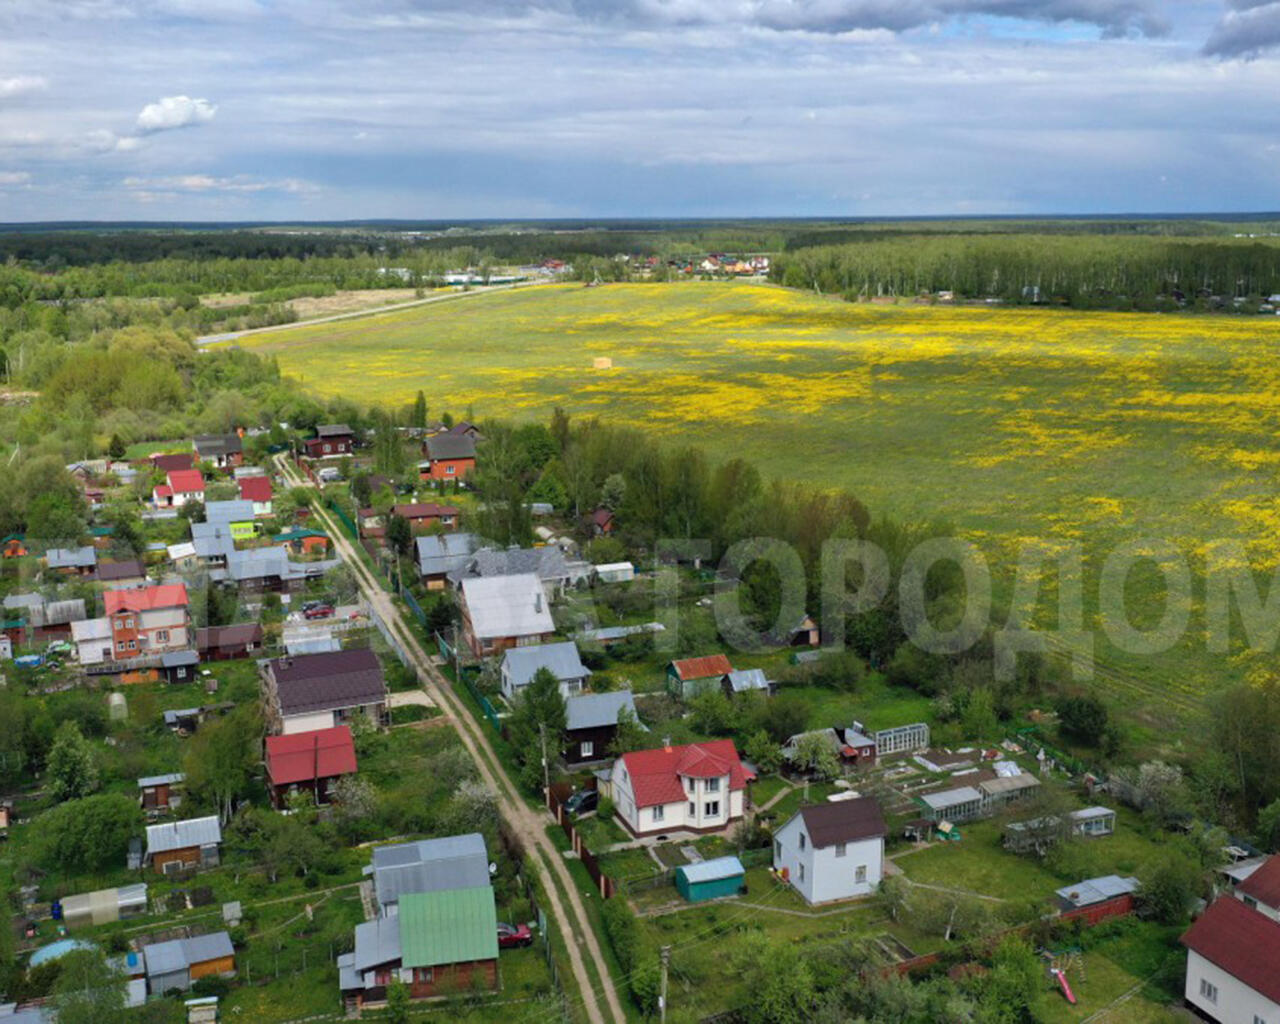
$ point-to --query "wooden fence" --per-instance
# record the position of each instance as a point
(557, 794)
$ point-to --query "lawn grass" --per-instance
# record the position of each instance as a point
(1012, 424)
(977, 864)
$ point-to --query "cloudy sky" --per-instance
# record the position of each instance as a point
(329, 109)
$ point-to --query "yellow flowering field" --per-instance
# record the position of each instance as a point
(1009, 423)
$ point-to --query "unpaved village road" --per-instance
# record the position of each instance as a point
(529, 824)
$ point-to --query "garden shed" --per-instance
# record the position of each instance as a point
(710, 879)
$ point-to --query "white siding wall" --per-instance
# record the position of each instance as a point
(827, 876)
(1237, 1003)
(306, 723)
(677, 815)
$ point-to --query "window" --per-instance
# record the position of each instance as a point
(801, 872)
(162, 636)
(423, 975)
(777, 850)
(120, 645)
(803, 840)
(586, 748)
(842, 849)
(711, 809)
(450, 468)
(860, 873)
(382, 976)
(1250, 902)
(133, 645)
(328, 448)
(1258, 1020)
(128, 623)
(693, 809)
(658, 813)
(1208, 991)
(713, 785)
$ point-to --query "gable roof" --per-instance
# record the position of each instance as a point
(167, 463)
(217, 444)
(71, 558)
(655, 774)
(547, 563)
(843, 821)
(449, 926)
(1242, 941)
(325, 682)
(597, 710)
(1264, 883)
(179, 954)
(223, 513)
(502, 606)
(702, 668)
(451, 446)
(126, 570)
(186, 481)
(239, 635)
(712, 870)
(144, 599)
(438, 556)
(520, 664)
(255, 488)
(58, 613)
(178, 835)
(303, 756)
(1097, 890)
(333, 430)
(377, 943)
(423, 510)
(744, 679)
(428, 865)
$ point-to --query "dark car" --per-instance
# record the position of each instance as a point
(511, 936)
(318, 611)
(582, 802)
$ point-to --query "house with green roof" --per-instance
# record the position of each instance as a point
(437, 943)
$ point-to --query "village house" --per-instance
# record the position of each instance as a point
(72, 561)
(148, 621)
(178, 667)
(438, 943)
(51, 620)
(832, 851)
(128, 573)
(699, 787)
(421, 516)
(1233, 952)
(160, 793)
(169, 462)
(440, 555)
(270, 570)
(234, 515)
(301, 541)
(224, 643)
(177, 846)
(426, 865)
(548, 563)
(319, 691)
(223, 451)
(310, 762)
(693, 677)
(520, 664)
(746, 680)
(180, 487)
(331, 439)
(447, 457)
(500, 612)
(257, 490)
(591, 724)
(600, 522)
(177, 964)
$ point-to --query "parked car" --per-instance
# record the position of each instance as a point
(582, 802)
(318, 611)
(511, 936)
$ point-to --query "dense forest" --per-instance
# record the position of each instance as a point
(1078, 270)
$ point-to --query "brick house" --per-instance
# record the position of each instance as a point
(148, 620)
(447, 457)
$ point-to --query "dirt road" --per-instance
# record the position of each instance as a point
(529, 824)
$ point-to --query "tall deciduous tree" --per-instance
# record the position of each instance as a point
(91, 833)
(89, 990)
(72, 767)
(221, 756)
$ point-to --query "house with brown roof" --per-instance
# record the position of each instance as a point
(1233, 953)
(223, 643)
(692, 677)
(447, 457)
(331, 439)
(319, 691)
(832, 851)
(698, 787)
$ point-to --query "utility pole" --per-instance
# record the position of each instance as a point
(665, 955)
(546, 775)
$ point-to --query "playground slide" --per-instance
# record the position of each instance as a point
(1066, 986)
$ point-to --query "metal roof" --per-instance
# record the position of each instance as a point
(177, 659)
(161, 780)
(448, 927)
(711, 870)
(501, 606)
(520, 664)
(596, 710)
(451, 446)
(235, 510)
(547, 563)
(1089, 813)
(441, 555)
(377, 942)
(606, 633)
(1008, 784)
(165, 958)
(325, 682)
(213, 946)
(178, 835)
(952, 797)
(71, 558)
(429, 865)
(1096, 890)
(743, 679)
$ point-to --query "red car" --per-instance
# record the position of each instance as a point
(511, 936)
(318, 611)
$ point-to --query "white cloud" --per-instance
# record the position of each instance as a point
(14, 178)
(174, 112)
(238, 183)
(19, 84)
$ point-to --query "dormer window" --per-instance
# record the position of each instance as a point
(713, 785)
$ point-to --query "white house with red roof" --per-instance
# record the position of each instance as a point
(256, 489)
(148, 620)
(180, 487)
(699, 787)
(1233, 953)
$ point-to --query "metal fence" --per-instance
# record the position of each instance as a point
(343, 518)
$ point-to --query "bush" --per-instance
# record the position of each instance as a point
(211, 985)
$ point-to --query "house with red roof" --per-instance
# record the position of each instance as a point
(1233, 952)
(698, 787)
(146, 621)
(695, 676)
(180, 487)
(310, 762)
(256, 489)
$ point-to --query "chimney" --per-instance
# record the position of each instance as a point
(537, 601)
(666, 743)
